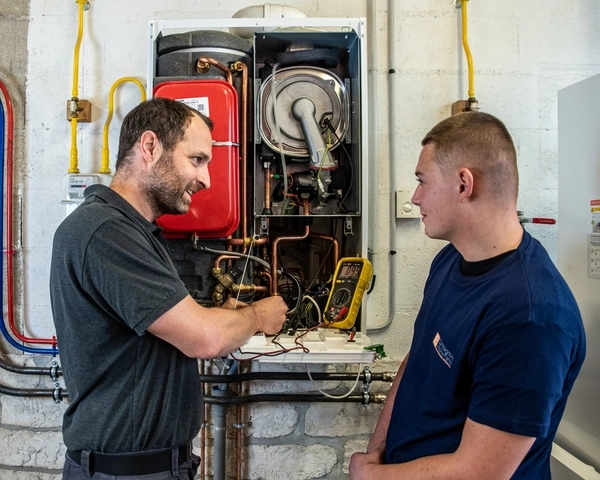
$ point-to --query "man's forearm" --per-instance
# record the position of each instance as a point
(380, 433)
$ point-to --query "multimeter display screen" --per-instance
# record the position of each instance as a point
(349, 270)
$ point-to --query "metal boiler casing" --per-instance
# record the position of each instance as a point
(215, 212)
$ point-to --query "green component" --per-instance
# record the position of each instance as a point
(377, 348)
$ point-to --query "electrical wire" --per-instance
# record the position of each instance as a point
(297, 282)
(330, 127)
(247, 256)
(314, 302)
(275, 353)
(336, 397)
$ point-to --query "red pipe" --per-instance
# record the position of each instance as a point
(9, 224)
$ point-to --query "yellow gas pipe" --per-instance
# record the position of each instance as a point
(105, 157)
(465, 42)
(473, 103)
(74, 107)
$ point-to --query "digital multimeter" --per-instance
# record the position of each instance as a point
(351, 279)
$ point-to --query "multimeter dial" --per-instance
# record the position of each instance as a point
(341, 297)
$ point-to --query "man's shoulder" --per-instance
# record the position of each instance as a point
(78, 229)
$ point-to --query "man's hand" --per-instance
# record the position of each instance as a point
(270, 314)
(362, 464)
(233, 303)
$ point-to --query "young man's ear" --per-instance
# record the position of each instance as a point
(466, 184)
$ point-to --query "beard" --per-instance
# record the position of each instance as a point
(165, 188)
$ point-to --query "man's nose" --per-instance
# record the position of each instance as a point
(416, 197)
(204, 177)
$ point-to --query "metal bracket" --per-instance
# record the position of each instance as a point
(264, 226)
(367, 388)
(54, 371)
(348, 226)
(56, 394)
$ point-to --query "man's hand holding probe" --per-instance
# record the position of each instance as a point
(201, 332)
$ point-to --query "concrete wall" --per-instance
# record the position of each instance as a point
(523, 53)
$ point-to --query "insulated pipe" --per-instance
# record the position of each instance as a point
(9, 235)
(75, 92)
(275, 248)
(111, 100)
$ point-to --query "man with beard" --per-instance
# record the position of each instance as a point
(128, 331)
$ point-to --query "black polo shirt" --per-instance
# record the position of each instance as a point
(111, 278)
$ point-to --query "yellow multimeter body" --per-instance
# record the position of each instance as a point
(351, 279)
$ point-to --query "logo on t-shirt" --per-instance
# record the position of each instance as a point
(442, 351)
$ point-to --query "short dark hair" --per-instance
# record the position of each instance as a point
(167, 118)
(480, 142)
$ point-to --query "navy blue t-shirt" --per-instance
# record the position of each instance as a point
(502, 349)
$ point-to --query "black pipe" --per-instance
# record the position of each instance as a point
(33, 392)
(29, 370)
(244, 377)
(280, 397)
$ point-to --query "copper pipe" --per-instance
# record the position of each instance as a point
(336, 246)
(275, 248)
(203, 427)
(268, 188)
(266, 275)
(247, 241)
(239, 419)
(242, 67)
(203, 66)
(221, 258)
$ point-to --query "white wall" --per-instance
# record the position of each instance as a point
(523, 51)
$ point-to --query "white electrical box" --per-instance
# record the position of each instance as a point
(404, 207)
(325, 345)
(74, 184)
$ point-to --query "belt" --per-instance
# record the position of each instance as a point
(139, 463)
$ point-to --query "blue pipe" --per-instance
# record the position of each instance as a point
(9, 338)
